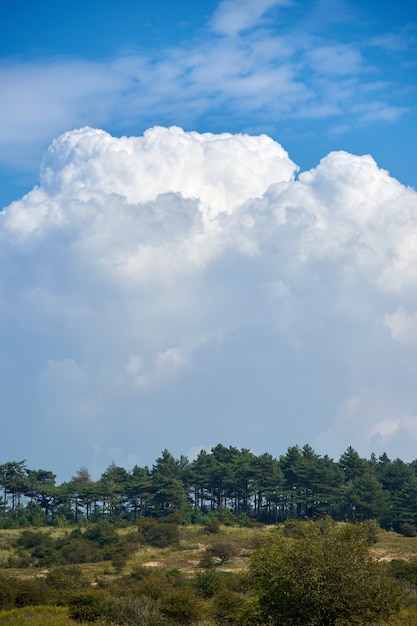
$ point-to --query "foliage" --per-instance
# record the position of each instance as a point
(404, 570)
(325, 577)
(180, 607)
(222, 550)
(208, 583)
(158, 533)
(226, 607)
(86, 607)
(37, 616)
(227, 486)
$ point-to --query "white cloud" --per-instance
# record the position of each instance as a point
(182, 287)
(234, 16)
(403, 327)
(258, 71)
(341, 59)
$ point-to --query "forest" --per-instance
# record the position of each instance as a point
(229, 537)
(229, 482)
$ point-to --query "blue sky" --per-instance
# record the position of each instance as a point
(315, 75)
(246, 276)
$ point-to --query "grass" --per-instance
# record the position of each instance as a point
(194, 541)
(185, 557)
(391, 546)
(37, 616)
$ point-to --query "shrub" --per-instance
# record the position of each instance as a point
(86, 607)
(67, 579)
(227, 606)
(180, 607)
(223, 550)
(213, 526)
(132, 610)
(404, 570)
(207, 561)
(209, 583)
(158, 534)
(408, 530)
(324, 576)
(371, 529)
(7, 593)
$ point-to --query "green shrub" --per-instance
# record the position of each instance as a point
(408, 530)
(209, 583)
(159, 534)
(66, 579)
(213, 526)
(404, 570)
(227, 606)
(180, 607)
(223, 550)
(86, 607)
(102, 534)
(7, 593)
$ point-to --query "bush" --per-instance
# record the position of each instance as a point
(29, 539)
(158, 534)
(294, 528)
(227, 606)
(132, 610)
(207, 561)
(7, 593)
(408, 530)
(371, 529)
(404, 570)
(223, 550)
(66, 579)
(32, 592)
(180, 607)
(102, 533)
(77, 551)
(86, 607)
(324, 576)
(213, 526)
(209, 583)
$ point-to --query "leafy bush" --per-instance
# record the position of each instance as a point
(159, 534)
(7, 593)
(180, 607)
(86, 607)
(17, 592)
(209, 583)
(213, 526)
(66, 579)
(408, 530)
(324, 576)
(404, 570)
(223, 550)
(227, 606)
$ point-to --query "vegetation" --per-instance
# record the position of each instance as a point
(227, 484)
(229, 538)
(325, 576)
(318, 573)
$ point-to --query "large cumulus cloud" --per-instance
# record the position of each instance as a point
(180, 289)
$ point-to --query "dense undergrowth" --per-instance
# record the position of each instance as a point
(161, 572)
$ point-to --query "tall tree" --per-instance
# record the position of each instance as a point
(169, 483)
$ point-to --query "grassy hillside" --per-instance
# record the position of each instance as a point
(203, 566)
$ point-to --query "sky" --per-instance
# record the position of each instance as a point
(208, 229)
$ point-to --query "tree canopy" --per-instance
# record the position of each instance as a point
(300, 484)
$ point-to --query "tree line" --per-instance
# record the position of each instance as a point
(230, 484)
